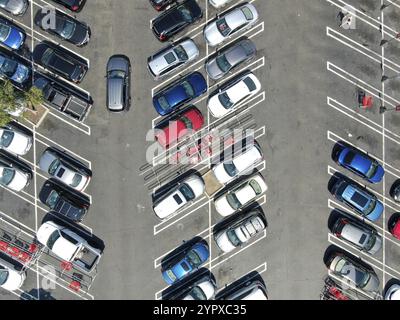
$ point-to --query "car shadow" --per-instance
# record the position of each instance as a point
(334, 179)
(15, 125)
(34, 294)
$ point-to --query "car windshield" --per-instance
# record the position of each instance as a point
(225, 101)
(117, 74)
(370, 207)
(68, 29)
(364, 278)
(230, 169)
(181, 53)
(250, 84)
(372, 170)
(47, 55)
(223, 63)
(4, 32)
(233, 238)
(187, 122)
(223, 27)
(256, 187)
(170, 58)
(7, 176)
(247, 13)
(233, 201)
(185, 12)
(54, 166)
(163, 102)
(76, 180)
(197, 294)
(6, 138)
(3, 275)
(8, 66)
(193, 259)
(52, 199)
(52, 239)
(171, 275)
(188, 88)
(371, 242)
(187, 192)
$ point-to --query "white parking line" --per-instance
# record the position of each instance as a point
(87, 131)
(18, 223)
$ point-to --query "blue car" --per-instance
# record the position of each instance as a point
(11, 35)
(186, 262)
(14, 70)
(360, 164)
(179, 92)
(357, 198)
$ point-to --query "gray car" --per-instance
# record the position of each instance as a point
(15, 7)
(353, 272)
(361, 236)
(118, 83)
(229, 58)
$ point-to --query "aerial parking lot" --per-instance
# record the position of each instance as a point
(129, 191)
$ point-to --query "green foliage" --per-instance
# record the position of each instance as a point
(33, 97)
(7, 101)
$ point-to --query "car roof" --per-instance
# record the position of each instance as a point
(355, 234)
(115, 94)
(239, 52)
(356, 196)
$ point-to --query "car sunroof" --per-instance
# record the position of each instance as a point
(359, 199)
(60, 172)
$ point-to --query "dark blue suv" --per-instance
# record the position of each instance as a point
(359, 199)
(179, 92)
(360, 164)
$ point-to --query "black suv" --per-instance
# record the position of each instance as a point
(160, 5)
(175, 19)
(60, 61)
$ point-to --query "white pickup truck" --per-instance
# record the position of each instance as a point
(68, 246)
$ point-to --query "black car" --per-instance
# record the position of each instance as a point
(15, 69)
(64, 200)
(118, 83)
(175, 19)
(160, 5)
(60, 61)
(66, 28)
(73, 5)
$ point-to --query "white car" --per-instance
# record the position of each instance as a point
(230, 23)
(393, 293)
(219, 3)
(240, 164)
(243, 194)
(183, 193)
(231, 94)
(172, 57)
(15, 141)
(10, 278)
(12, 174)
(240, 231)
(203, 290)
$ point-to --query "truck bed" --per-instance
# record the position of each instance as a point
(211, 183)
(87, 259)
(77, 108)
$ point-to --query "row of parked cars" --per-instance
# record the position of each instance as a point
(242, 221)
(357, 232)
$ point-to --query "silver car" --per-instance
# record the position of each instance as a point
(354, 273)
(172, 57)
(118, 83)
(15, 7)
(361, 236)
(229, 58)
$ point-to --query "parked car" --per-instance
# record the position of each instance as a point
(15, 7)
(393, 292)
(175, 19)
(13, 69)
(160, 5)
(185, 262)
(179, 92)
(64, 200)
(11, 278)
(219, 3)
(240, 195)
(65, 168)
(355, 273)
(118, 83)
(238, 164)
(181, 125)
(60, 61)
(229, 58)
(15, 141)
(12, 36)
(394, 227)
(230, 23)
(240, 230)
(357, 198)
(63, 97)
(169, 59)
(14, 174)
(233, 93)
(360, 164)
(179, 196)
(360, 235)
(73, 5)
(252, 289)
(202, 288)
(66, 27)
(395, 191)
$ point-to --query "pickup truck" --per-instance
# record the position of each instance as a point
(68, 246)
(64, 98)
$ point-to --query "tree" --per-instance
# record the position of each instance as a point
(7, 102)
(33, 98)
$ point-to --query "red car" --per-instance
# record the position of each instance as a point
(188, 122)
(394, 228)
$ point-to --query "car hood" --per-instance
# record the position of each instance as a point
(373, 284)
(118, 63)
(19, 182)
(377, 246)
(81, 34)
(16, 6)
(378, 175)
(19, 144)
(223, 242)
(44, 232)
(222, 206)
(191, 49)
(196, 184)
(216, 108)
(376, 213)
(176, 95)
(220, 173)
(14, 281)
(212, 34)
(15, 39)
